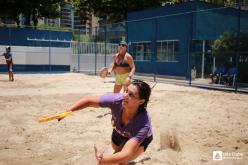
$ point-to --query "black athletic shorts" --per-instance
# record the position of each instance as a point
(120, 140)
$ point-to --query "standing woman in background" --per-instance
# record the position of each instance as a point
(8, 58)
(123, 66)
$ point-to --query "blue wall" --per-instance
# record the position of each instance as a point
(36, 68)
(18, 37)
(184, 22)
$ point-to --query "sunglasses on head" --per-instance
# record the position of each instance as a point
(137, 81)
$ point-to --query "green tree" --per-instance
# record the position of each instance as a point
(114, 10)
(225, 47)
(227, 43)
(227, 2)
(32, 10)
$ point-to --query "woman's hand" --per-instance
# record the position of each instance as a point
(109, 72)
(63, 115)
(98, 155)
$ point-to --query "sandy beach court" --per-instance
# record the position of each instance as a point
(188, 123)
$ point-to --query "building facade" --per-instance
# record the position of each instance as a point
(71, 20)
(171, 39)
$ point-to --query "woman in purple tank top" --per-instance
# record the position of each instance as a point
(132, 130)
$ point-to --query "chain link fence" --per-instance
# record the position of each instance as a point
(193, 45)
(206, 47)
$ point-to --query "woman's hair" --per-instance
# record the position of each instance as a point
(144, 91)
(8, 48)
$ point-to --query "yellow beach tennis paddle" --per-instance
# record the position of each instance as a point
(58, 116)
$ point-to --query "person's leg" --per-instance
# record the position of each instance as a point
(118, 149)
(212, 78)
(139, 151)
(9, 75)
(117, 141)
(12, 76)
(117, 88)
(215, 79)
(115, 147)
(142, 148)
(10, 69)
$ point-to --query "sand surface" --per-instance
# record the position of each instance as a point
(195, 122)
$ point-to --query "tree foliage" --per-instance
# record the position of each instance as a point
(225, 50)
(114, 10)
(31, 9)
(227, 2)
(228, 43)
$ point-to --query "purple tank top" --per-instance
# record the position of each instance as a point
(139, 127)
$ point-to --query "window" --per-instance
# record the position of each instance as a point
(168, 50)
(142, 51)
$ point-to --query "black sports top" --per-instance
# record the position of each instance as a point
(123, 63)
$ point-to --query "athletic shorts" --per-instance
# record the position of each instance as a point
(120, 78)
(120, 140)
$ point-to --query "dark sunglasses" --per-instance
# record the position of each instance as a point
(122, 45)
